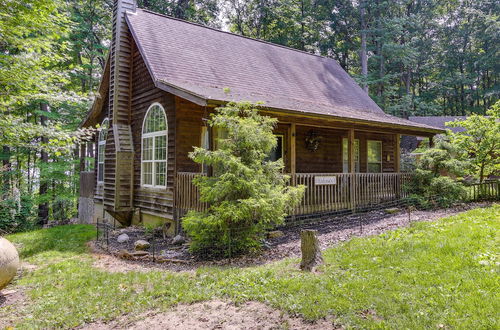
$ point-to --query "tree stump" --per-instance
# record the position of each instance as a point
(311, 253)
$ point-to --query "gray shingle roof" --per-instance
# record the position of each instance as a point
(439, 121)
(203, 62)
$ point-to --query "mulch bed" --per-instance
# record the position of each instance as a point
(331, 231)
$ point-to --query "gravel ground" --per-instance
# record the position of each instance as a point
(330, 232)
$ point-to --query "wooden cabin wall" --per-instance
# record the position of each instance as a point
(144, 93)
(327, 158)
(189, 121)
(388, 149)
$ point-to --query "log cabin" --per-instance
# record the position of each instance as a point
(164, 77)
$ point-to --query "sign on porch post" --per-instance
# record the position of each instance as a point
(325, 180)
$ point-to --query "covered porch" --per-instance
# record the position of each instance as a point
(325, 192)
(343, 168)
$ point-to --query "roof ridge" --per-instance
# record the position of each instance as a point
(237, 35)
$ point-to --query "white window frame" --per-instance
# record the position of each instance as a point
(153, 135)
(381, 156)
(102, 144)
(345, 157)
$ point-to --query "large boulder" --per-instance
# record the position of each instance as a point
(9, 262)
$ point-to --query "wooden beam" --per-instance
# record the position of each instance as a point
(352, 168)
(293, 151)
(350, 150)
(397, 154)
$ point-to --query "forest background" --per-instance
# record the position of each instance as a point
(414, 57)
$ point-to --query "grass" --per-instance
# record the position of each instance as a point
(437, 274)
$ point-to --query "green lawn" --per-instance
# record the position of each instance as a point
(443, 273)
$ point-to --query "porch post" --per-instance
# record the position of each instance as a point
(397, 164)
(293, 166)
(397, 154)
(352, 168)
(350, 150)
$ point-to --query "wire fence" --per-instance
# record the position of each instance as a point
(162, 249)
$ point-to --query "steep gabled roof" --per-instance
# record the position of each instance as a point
(202, 64)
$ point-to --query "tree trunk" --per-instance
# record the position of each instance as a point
(43, 207)
(311, 253)
(362, 53)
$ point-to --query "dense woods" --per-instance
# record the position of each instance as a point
(414, 57)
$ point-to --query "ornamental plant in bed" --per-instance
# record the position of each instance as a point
(247, 193)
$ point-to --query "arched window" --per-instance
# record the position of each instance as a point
(101, 145)
(154, 147)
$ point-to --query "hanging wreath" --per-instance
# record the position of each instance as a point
(313, 140)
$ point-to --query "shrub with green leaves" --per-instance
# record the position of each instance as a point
(247, 194)
(428, 187)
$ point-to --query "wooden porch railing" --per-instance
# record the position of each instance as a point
(187, 195)
(325, 192)
(348, 190)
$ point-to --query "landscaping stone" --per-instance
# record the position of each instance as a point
(275, 234)
(171, 254)
(139, 253)
(391, 210)
(178, 240)
(141, 245)
(9, 262)
(122, 238)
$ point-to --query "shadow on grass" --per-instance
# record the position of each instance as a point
(68, 238)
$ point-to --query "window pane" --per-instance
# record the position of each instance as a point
(155, 120)
(100, 172)
(160, 173)
(147, 148)
(161, 147)
(100, 155)
(374, 167)
(277, 152)
(374, 151)
(147, 173)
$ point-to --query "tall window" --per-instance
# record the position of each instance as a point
(374, 156)
(277, 152)
(101, 145)
(345, 155)
(154, 147)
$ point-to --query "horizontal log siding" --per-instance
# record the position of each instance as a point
(327, 158)
(144, 93)
(189, 123)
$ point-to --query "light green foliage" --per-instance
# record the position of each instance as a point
(441, 274)
(480, 142)
(247, 193)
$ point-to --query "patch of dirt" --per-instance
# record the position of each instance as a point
(12, 301)
(215, 315)
(331, 231)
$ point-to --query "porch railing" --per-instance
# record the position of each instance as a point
(325, 192)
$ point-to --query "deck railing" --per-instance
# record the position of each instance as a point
(187, 195)
(325, 192)
(487, 190)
